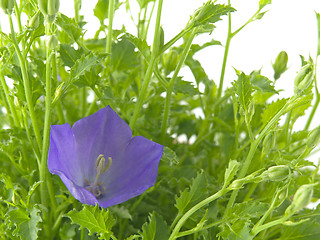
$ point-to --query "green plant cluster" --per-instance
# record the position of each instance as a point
(238, 174)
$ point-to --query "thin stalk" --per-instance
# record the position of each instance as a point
(196, 207)
(154, 55)
(254, 232)
(9, 100)
(287, 127)
(225, 56)
(253, 149)
(195, 230)
(171, 85)
(26, 84)
(60, 113)
(77, 7)
(313, 111)
(110, 17)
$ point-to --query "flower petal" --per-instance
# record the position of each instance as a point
(133, 173)
(103, 132)
(62, 155)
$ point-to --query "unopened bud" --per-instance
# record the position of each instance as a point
(280, 64)
(49, 8)
(278, 173)
(313, 139)
(52, 42)
(170, 61)
(303, 80)
(7, 6)
(34, 21)
(301, 198)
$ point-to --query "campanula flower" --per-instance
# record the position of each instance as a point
(99, 161)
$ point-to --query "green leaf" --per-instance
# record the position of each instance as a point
(211, 13)
(156, 229)
(230, 172)
(194, 194)
(121, 212)
(31, 191)
(309, 230)
(263, 3)
(101, 9)
(26, 222)
(197, 70)
(169, 156)
(253, 209)
(94, 219)
(272, 110)
(69, 27)
(243, 89)
(123, 56)
(140, 44)
(144, 3)
(184, 87)
(262, 83)
(240, 230)
(69, 55)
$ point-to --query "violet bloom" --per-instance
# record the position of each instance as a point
(100, 162)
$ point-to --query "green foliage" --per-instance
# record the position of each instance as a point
(96, 220)
(226, 173)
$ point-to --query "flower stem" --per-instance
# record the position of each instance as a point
(171, 85)
(110, 17)
(253, 149)
(154, 55)
(206, 201)
(226, 51)
(26, 84)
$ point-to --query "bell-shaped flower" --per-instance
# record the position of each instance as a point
(100, 162)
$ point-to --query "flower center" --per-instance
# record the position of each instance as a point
(97, 188)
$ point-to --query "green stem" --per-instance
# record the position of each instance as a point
(253, 149)
(195, 230)
(154, 54)
(171, 85)
(9, 100)
(313, 111)
(225, 56)
(26, 84)
(110, 17)
(206, 201)
(269, 224)
(77, 7)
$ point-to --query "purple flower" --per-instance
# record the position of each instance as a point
(100, 162)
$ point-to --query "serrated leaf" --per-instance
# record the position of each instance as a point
(240, 230)
(262, 83)
(192, 195)
(140, 44)
(243, 89)
(169, 156)
(26, 223)
(155, 229)
(272, 110)
(69, 26)
(197, 70)
(184, 87)
(69, 55)
(230, 172)
(31, 191)
(211, 13)
(252, 209)
(94, 219)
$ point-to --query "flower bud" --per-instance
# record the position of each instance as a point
(301, 198)
(313, 139)
(49, 8)
(7, 6)
(34, 21)
(52, 42)
(278, 173)
(170, 61)
(280, 64)
(303, 80)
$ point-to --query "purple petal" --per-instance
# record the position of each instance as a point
(62, 156)
(103, 132)
(133, 173)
